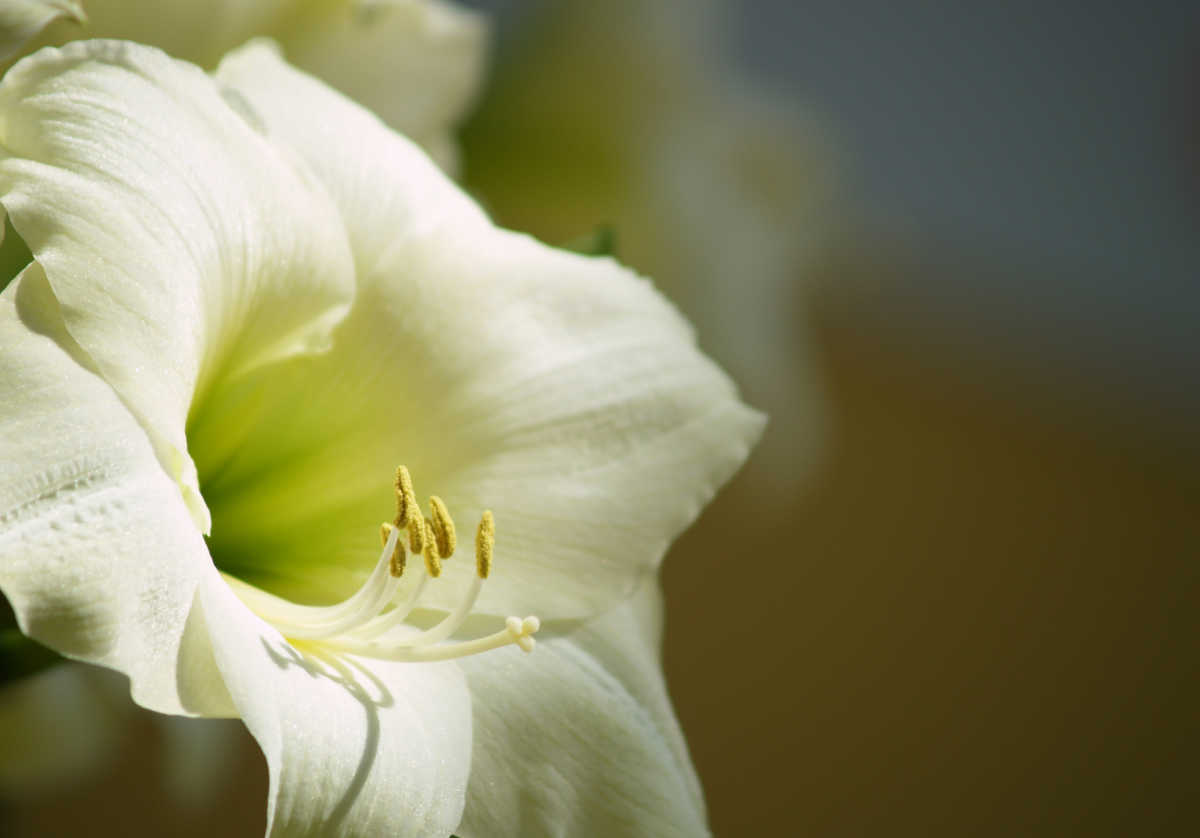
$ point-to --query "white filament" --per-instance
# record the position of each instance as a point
(363, 624)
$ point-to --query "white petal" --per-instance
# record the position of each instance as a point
(562, 392)
(571, 400)
(583, 732)
(354, 746)
(416, 63)
(98, 555)
(180, 244)
(384, 186)
(20, 20)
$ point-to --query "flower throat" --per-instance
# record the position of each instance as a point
(371, 622)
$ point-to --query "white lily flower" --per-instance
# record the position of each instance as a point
(250, 302)
(418, 64)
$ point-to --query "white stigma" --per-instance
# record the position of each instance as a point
(371, 623)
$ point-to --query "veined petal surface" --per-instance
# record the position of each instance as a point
(563, 392)
(180, 244)
(586, 729)
(98, 555)
(384, 187)
(355, 746)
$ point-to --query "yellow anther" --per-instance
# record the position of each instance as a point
(399, 554)
(417, 529)
(406, 500)
(485, 540)
(443, 527)
(433, 562)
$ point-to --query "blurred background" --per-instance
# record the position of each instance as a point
(953, 251)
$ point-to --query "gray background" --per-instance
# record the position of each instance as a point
(1047, 151)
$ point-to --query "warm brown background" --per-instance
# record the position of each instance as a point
(978, 618)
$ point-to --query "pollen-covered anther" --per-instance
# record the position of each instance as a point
(443, 527)
(433, 559)
(417, 528)
(485, 543)
(406, 499)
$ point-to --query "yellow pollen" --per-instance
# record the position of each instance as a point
(433, 562)
(443, 527)
(406, 499)
(417, 529)
(485, 540)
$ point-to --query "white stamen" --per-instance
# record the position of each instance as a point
(361, 625)
(451, 621)
(515, 630)
(314, 622)
(393, 618)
